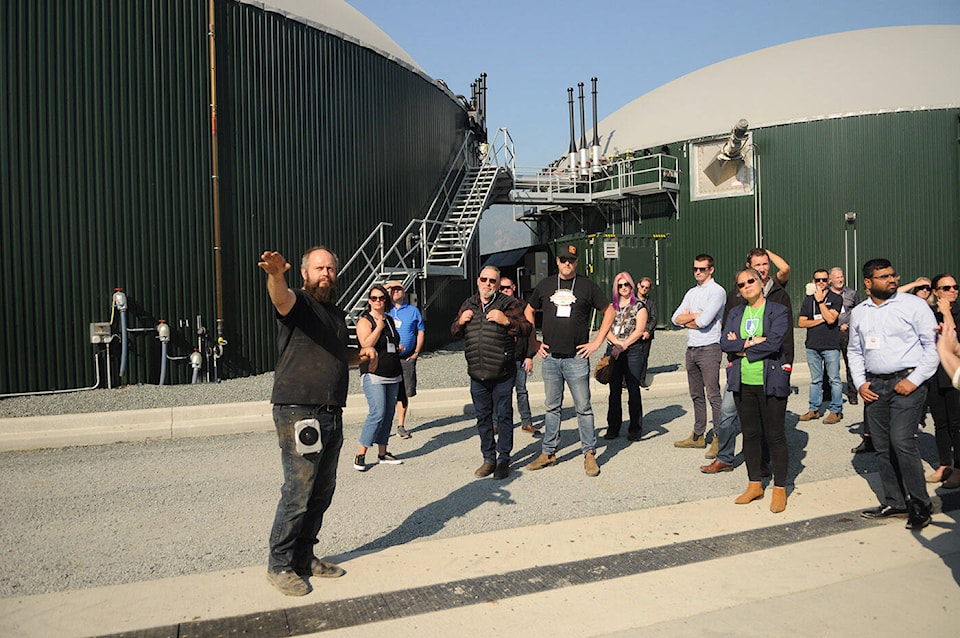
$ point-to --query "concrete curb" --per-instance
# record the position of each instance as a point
(29, 433)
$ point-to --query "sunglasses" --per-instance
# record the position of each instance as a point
(821, 280)
(377, 298)
(487, 280)
(954, 287)
(506, 287)
(741, 284)
(701, 268)
(567, 260)
(624, 284)
(923, 289)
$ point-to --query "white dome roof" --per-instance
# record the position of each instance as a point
(853, 73)
(339, 18)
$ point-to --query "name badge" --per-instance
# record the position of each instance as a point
(873, 343)
(397, 323)
(391, 347)
(817, 316)
(563, 311)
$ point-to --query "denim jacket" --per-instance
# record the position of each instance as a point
(776, 321)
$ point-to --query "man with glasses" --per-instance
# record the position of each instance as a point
(819, 315)
(892, 352)
(491, 324)
(526, 348)
(646, 339)
(409, 323)
(567, 302)
(700, 313)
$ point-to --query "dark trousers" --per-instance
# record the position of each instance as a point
(893, 426)
(626, 367)
(945, 407)
(763, 417)
(491, 397)
(703, 374)
(644, 345)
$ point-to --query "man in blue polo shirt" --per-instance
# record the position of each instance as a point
(409, 323)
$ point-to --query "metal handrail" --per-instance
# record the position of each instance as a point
(615, 176)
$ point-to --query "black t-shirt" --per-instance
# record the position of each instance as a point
(580, 295)
(823, 336)
(312, 368)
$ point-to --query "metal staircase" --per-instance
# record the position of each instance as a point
(437, 245)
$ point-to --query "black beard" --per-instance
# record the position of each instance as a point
(882, 294)
(323, 293)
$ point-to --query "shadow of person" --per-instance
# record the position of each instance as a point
(467, 429)
(655, 420)
(945, 545)
(797, 445)
(431, 518)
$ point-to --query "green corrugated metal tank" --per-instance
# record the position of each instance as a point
(105, 131)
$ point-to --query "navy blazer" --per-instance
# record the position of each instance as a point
(776, 322)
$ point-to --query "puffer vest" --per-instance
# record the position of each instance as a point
(490, 351)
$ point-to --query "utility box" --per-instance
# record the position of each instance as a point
(100, 332)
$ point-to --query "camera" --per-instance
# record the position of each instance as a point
(307, 435)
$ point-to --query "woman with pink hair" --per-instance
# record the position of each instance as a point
(626, 358)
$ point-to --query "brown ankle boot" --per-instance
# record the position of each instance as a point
(778, 502)
(754, 491)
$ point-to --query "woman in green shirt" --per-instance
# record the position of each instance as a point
(754, 334)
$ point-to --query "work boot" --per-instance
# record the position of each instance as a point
(753, 492)
(832, 417)
(317, 567)
(715, 467)
(542, 461)
(810, 416)
(692, 441)
(866, 445)
(590, 463)
(486, 469)
(778, 501)
(714, 449)
(289, 583)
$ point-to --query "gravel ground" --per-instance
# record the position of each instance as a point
(444, 368)
(111, 514)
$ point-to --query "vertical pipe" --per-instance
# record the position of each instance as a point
(584, 160)
(215, 171)
(595, 147)
(572, 157)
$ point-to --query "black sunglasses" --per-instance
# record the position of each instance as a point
(377, 298)
(701, 268)
(923, 288)
(624, 284)
(488, 280)
(821, 280)
(741, 284)
(954, 287)
(506, 287)
(567, 260)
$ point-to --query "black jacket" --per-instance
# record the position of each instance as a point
(490, 348)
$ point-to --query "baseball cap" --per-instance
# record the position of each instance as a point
(393, 284)
(567, 250)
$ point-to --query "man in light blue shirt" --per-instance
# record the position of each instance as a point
(892, 352)
(700, 313)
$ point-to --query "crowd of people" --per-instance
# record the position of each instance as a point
(901, 350)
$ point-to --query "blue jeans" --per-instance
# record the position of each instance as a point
(626, 366)
(727, 429)
(489, 398)
(576, 372)
(381, 404)
(893, 427)
(816, 359)
(523, 399)
(308, 485)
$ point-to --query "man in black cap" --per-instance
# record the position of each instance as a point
(567, 302)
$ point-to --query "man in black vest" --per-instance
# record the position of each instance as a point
(310, 390)
(491, 323)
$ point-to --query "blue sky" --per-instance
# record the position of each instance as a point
(533, 50)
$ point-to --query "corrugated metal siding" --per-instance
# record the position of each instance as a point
(105, 138)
